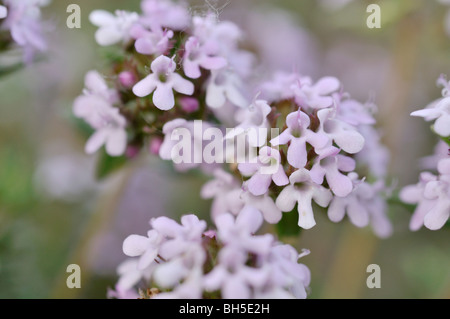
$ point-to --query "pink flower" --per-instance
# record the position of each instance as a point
(163, 81)
(156, 41)
(197, 56)
(130, 275)
(288, 278)
(362, 205)
(281, 86)
(355, 113)
(318, 95)
(24, 22)
(441, 151)
(252, 122)
(303, 190)
(127, 79)
(374, 154)
(267, 169)
(229, 197)
(166, 14)
(298, 134)
(111, 133)
(95, 107)
(145, 247)
(233, 278)
(272, 272)
(189, 104)
(329, 164)
(439, 111)
(224, 85)
(344, 135)
(432, 194)
(238, 232)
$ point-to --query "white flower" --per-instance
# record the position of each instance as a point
(303, 190)
(439, 111)
(112, 28)
(163, 81)
(224, 85)
(3, 12)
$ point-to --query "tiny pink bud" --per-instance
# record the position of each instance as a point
(210, 233)
(155, 145)
(132, 151)
(127, 79)
(189, 104)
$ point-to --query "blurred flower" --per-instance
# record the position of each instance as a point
(95, 107)
(441, 151)
(155, 41)
(197, 56)
(244, 265)
(127, 79)
(224, 85)
(112, 28)
(63, 175)
(252, 122)
(3, 12)
(166, 14)
(189, 104)
(361, 205)
(23, 20)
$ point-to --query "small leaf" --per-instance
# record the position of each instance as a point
(288, 225)
(446, 140)
(6, 70)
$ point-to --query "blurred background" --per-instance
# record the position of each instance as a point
(54, 212)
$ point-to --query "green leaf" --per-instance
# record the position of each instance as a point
(288, 225)
(108, 164)
(6, 70)
(446, 140)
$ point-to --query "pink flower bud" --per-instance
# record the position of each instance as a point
(155, 145)
(189, 104)
(210, 233)
(132, 151)
(127, 79)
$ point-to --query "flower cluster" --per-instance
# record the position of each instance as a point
(432, 192)
(22, 18)
(186, 261)
(173, 73)
(314, 158)
(200, 73)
